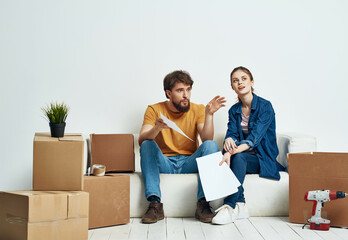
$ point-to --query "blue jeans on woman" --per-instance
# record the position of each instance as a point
(153, 162)
(241, 164)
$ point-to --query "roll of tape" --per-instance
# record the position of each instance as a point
(98, 170)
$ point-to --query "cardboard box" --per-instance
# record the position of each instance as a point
(318, 171)
(37, 215)
(115, 151)
(58, 162)
(109, 200)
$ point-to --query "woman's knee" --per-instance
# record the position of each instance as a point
(238, 159)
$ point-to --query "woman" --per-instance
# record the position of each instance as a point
(250, 144)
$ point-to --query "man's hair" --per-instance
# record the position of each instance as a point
(177, 76)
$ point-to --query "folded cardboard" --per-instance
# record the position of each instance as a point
(318, 171)
(109, 200)
(58, 162)
(39, 215)
(115, 151)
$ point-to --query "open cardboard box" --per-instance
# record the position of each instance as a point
(318, 171)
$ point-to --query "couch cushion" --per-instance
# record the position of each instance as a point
(264, 197)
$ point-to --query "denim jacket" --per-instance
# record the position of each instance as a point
(262, 134)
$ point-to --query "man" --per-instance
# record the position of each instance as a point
(163, 150)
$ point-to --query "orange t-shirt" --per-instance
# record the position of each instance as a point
(170, 141)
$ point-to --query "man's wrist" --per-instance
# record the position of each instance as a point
(209, 116)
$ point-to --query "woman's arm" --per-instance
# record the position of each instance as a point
(265, 118)
(232, 134)
(227, 155)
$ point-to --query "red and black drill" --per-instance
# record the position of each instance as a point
(316, 222)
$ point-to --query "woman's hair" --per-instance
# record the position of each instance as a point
(244, 69)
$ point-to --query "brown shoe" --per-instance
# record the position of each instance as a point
(203, 211)
(154, 213)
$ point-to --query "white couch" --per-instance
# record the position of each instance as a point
(264, 197)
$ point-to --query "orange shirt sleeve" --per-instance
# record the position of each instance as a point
(150, 116)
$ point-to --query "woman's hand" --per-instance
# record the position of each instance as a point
(226, 158)
(230, 146)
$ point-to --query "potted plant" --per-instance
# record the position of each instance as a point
(56, 115)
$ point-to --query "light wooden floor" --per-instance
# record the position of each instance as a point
(253, 228)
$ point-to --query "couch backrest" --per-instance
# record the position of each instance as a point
(287, 143)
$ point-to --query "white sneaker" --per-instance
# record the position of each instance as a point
(243, 211)
(225, 214)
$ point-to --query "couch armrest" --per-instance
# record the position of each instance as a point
(136, 153)
(294, 143)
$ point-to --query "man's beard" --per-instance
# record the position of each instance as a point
(181, 108)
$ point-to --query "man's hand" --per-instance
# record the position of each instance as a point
(226, 158)
(206, 130)
(230, 146)
(160, 124)
(148, 131)
(215, 104)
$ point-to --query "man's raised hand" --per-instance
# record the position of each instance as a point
(215, 104)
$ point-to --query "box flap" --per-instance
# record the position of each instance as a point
(44, 137)
(70, 229)
(72, 137)
(67, 137)
(35, 206)
(78, 204)
(318, 164)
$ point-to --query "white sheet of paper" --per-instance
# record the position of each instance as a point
(172, 125)
(217, 181)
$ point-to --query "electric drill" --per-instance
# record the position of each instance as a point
(316, 222)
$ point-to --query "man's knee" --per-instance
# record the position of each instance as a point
(147, 149)
(210, 146)
(147, 143)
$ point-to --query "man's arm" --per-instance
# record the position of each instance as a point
(149, 132)
(206, 129)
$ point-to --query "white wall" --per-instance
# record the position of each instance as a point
(107, 60)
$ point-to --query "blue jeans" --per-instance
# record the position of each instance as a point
(241, 164)
(153, 162)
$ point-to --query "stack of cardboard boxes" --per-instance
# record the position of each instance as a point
(64, 203)
(109, 194)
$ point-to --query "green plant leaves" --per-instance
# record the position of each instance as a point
(55, 112)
